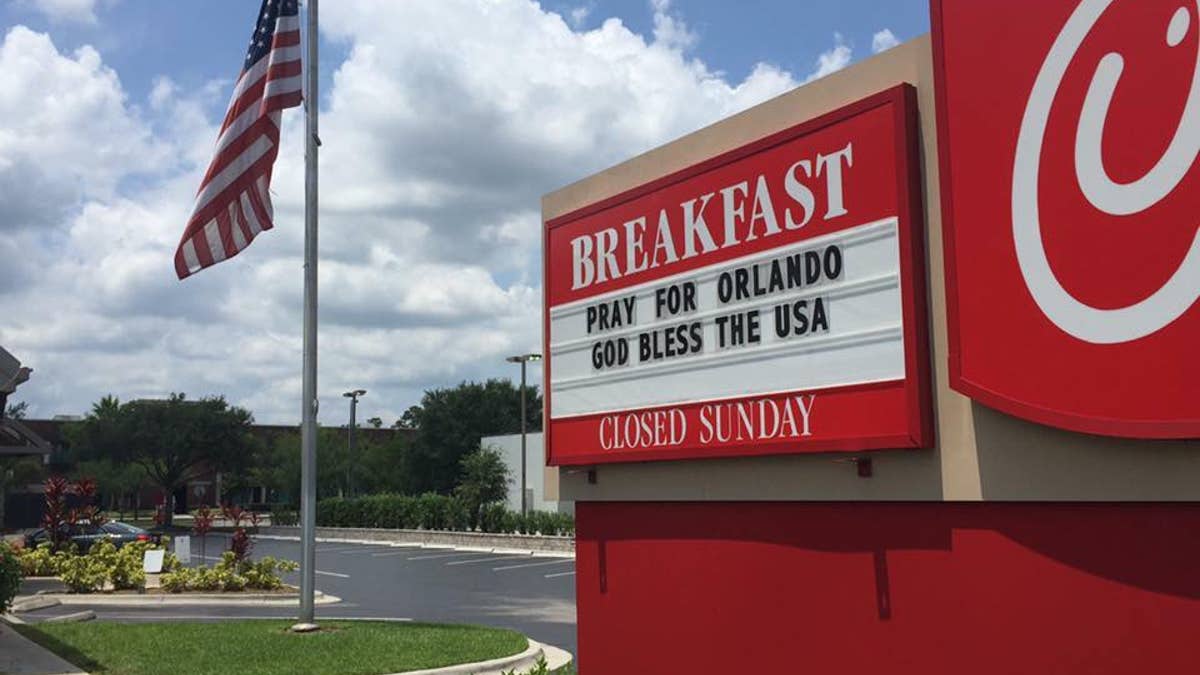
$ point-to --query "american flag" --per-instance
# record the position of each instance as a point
(234, 203)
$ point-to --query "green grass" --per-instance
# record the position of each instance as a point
(264, 647)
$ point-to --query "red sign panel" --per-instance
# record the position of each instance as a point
(769, 300)
(1068, 136)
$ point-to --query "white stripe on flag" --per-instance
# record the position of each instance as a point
(285, 24)
(214, 241)
(189, 255)
(251, 216)
(283, 85)
(264, 194)
(235, 227)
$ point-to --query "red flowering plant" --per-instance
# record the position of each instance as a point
(240, 545)
(233, 513)
(54, 519)
(88, 511)
(201, 525)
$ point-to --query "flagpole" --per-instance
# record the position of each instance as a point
(308, 428)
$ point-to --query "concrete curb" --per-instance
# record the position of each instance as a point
(32, 604)
(429, 547)
(73, 617)
(185, 599)
(429, 538)
(519, 663)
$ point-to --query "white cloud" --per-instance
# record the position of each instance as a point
(441, 131)
(883, 41)
(66, 130)
(670, 30)
(833, 59)
(78, 11)
(578, 15)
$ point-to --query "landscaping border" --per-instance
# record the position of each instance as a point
(531, 542)
(239, 599)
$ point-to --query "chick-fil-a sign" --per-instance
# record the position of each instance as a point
(1069, 133)
(769, 300)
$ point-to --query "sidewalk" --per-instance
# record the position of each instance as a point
(24, 657)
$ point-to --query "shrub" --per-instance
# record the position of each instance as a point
(177, 581)
(83, 573)
(284, 517)
(128, 571)
(265, 574)
(41, 561)
(10, 576)
(230, 574)
(494, 518)
(432, 511)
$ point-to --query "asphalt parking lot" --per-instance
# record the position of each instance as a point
(533, 594)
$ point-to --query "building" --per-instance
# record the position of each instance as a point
(541, 481)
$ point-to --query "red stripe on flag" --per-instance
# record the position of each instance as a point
(225, 231)
(281, 101)
(289, 38)
(260, 210)
(247, 233)
(203, 252)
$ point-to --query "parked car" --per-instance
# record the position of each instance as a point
(83, 535)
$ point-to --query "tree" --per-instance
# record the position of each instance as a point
(17, 470)
(116, 483)
(449, 423)
(484, 481)
(173, 440)
(375, 422)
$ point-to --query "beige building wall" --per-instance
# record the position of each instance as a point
(980, 453)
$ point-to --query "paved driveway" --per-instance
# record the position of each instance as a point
(531, 594)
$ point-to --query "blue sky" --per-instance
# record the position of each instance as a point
(196, 42)
(444, 122)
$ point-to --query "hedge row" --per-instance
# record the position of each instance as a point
(437, 512)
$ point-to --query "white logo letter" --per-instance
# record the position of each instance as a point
(1101, 326)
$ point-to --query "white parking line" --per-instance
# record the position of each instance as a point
(323, 572)
(480, 560)
(448, 555)
(560, 574)
(535, 564)
(389, 554)
(353, 549)
(333, 574)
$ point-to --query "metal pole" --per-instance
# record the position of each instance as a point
(308, 403)
(350, 457)
(524, 507)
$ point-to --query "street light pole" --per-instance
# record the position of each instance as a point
(353, 396)
(523, 359)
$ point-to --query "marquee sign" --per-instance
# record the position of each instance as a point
(769, 300)
(1068, 134)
